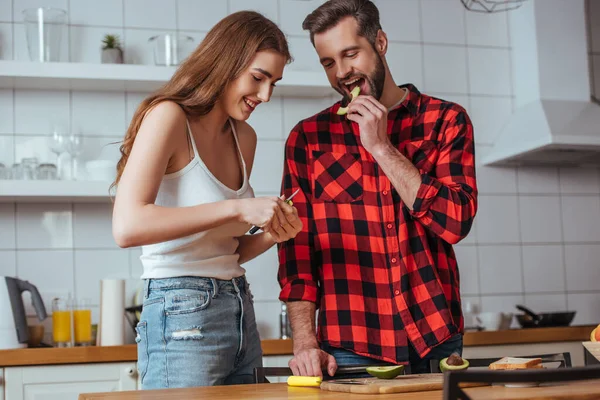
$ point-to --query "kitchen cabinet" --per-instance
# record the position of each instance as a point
(66, 382)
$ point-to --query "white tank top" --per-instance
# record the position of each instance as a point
(212, 253)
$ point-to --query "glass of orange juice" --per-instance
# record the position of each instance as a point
(82, 322)
(61, 322)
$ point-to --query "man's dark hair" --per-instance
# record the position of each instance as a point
(331, 12)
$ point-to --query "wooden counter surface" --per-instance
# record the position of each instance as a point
(573, 390)
(93, 354)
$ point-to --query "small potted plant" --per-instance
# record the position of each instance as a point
(111, 50)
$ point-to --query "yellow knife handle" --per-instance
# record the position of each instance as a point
(312, 381)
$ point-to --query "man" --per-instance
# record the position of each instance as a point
(385, 191)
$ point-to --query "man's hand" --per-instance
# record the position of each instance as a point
(311, 362)
(371, 117)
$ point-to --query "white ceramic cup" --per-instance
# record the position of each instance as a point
(494, 321)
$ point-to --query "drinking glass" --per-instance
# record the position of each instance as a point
(61, 322)
(56, 141)
(82, 318)
(74, 146)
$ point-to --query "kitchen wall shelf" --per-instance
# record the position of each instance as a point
(129, 77)
(42, 191)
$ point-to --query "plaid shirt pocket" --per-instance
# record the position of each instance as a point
(337, 177)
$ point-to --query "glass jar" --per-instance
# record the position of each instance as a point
(47, 171)
(171, 49)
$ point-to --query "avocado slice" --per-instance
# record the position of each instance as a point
(386, 372)
(355, 92)
(453, 363)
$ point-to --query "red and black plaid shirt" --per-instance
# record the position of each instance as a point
(381, 274)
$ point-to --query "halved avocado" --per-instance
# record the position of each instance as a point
(386, 372)
(453, 363)
(355, 92)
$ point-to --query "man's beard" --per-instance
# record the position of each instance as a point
(375, 80)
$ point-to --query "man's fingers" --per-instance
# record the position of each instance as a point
(294, 367)
(331, 365)
(316, 365)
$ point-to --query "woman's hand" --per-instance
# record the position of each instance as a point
(285, 225)
(259, 211)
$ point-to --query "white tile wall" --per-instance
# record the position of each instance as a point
(535, 240)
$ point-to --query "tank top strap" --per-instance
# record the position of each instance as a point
(237, 144)
(191, 137)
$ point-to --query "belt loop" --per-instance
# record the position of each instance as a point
(215, 287)
(146, 288)
(235, 285)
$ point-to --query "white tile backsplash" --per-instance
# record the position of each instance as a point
(445, 69)
(157, 14)
(581, 218)
(543, 268)
(99, 114)
(500, 270)
(493, 66)
(540, 219)
(586, 306)
(44, 226)
(7, 226)
(579, 180)
(498, 219)
(6, 11)
(489, 115)
(468, 267)
(400, 19)
(533, 180)
(37, 110)
(267, 120)
(7, 111)
(534, 241)
(8, 265)
(403, 71)
(487, 29)
(6, 39)
(583, 266)
(443, 22)
(269, 8)
(92, 226)
(194, 15)
(108, 13)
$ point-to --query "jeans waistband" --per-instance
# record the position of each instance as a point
(196, 282)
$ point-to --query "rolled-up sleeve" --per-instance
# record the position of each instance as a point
(447, 202)
(298, 274)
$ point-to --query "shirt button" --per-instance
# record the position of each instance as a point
(389, 226)
(385, 192)
(393, 260)
(396, 292)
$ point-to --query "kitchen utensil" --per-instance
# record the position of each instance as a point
(255, 229)
(13, 321)
(548, 319)
(44, 29)
(400, 384)
(494, 321)
(171, 49)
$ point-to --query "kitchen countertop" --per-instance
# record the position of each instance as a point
(573, 390)
(272, 347)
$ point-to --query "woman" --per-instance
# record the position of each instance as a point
(183, 195)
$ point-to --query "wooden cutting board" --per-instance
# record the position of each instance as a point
(400, 384)
(593, 348)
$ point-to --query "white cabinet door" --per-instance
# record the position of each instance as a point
(66, 382)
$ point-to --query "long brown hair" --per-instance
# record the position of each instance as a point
(220, 58)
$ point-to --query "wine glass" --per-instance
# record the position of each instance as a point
(74, 146)
(56, 141)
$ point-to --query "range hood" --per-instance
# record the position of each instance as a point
(555, 121)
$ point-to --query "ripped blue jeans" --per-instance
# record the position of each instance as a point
(196, 331)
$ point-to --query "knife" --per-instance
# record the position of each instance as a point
(254, 229)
